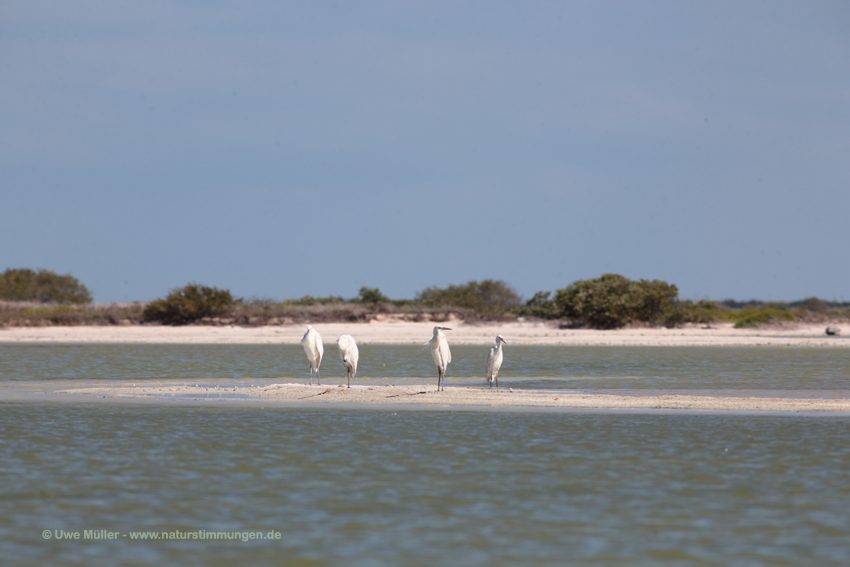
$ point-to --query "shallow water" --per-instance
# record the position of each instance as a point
(748, 368)
(375, 487)
(371, 487)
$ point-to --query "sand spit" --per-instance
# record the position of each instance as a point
(529, 333)
(427, 396)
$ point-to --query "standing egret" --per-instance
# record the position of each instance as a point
(312, 343)
(494, 361)
(440, 353)
(350, 354)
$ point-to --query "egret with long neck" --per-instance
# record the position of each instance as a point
(494, 361)
(440, 353)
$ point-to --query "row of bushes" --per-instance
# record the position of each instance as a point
(607, 302)
(245, 313)
(489, 299)
(195, 302)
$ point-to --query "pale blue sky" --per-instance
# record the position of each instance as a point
(284, 148)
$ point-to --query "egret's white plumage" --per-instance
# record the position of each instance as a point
(312, 343)
(350, 354)
(494, 361)
(440, 353)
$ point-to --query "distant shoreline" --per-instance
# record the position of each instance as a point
(525, 333)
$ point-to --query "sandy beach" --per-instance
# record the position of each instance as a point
(529, 333)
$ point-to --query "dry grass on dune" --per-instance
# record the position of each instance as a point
(36, 314)
(268, 313)
(250, 314)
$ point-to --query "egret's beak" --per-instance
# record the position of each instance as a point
(446, 328)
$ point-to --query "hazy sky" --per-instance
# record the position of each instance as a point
(284, 148)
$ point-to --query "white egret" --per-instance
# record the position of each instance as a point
(350, 354)
(312, 343)
(440, 353)
(494, 361)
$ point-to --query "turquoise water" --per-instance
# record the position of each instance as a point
(375, 487)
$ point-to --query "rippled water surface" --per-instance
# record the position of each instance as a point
(752, 368)
(371, 487)
(375, 487)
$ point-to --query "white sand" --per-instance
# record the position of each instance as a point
(427, 396)
(418, 333)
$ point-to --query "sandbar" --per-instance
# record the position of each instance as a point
(427, 397)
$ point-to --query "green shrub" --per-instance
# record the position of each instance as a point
(23, 284)
(372, 295)
(612, 300)
(734, 304)
(814, 304)
(702, 312)
(190, 303)
(752, 317)
(307, 300)
(541, 306)
(606, 302)
(656, 301)
(489, 298)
